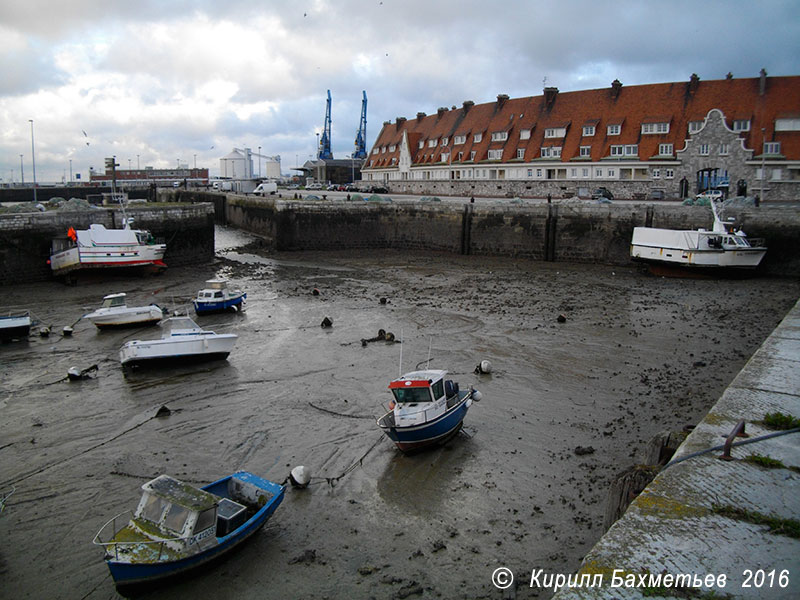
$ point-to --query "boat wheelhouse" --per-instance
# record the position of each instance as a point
(115, 312)
(177, 527)
(426, 409)
(217, 297)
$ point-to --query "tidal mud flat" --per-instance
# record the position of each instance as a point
(636, 355)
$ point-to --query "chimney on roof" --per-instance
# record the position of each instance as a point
(420, 116)
(440, 111)
(729, 76)
(550, 94)
(400, 122)
(467, 105)
(616, 87)
(501, 99)
(694, 82)
(762, 82)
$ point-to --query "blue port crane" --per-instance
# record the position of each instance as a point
(324, 152)
(361, 136)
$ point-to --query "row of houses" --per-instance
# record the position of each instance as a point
(666, 140)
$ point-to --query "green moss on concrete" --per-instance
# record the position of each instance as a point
(777, 525)
(780, 421)
(651, 504)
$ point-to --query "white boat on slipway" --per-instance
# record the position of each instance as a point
(724, 247)
(115, 312)
(182, 340)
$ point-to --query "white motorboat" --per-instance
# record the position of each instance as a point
(724, 247)
(218, 297)
(182, 339)
(114, 312)
(15, 326)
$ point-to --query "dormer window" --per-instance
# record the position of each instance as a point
(477, 138)
(421, 144)
(499, 136)
(741, 125)
(392, 148)
(695, 126)
(772, 148)
(588, 130)
(432, 143)
(651, 128)
(495, 154)
(459, 139)
(614, 129)
(445, 141)
(525, 134)
(555, 132)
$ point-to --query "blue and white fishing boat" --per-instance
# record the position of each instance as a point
(426, 410)
(217, 297)
(177, 527)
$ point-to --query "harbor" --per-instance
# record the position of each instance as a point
(589, 363)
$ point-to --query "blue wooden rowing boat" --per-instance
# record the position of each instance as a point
(177, 527)
(426, 409)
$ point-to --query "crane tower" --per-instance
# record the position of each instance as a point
(325, 141)
(361, 136)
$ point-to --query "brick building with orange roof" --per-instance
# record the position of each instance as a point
(665, 140)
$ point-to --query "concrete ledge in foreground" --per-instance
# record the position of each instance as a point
(671, 529)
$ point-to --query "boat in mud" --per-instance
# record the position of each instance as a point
(724, 247)
(182, 340)
(114, 312)
(217, 297)
(98, 247)
(15, 326)
(177, 527)
(426, 409)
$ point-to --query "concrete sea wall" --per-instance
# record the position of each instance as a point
(559, 231)
(25, 238)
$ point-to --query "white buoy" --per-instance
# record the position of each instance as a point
(67, 331)
(73, 373)
(477, 396)
(300, 476)
(484, 367)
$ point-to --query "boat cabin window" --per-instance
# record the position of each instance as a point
(438, 389)
(207, 518)
(176, 518)
(153, 509)
(420, 394)
(217, 294)
(118, 301)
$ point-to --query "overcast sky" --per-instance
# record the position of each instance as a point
(155, 82)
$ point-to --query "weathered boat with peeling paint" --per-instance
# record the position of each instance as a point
(177, 527)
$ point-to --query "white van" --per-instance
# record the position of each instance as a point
(265, 188)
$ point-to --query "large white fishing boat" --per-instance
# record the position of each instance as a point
(724, 247)
(98, 247)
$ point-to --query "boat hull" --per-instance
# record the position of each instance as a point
(76, 258)
(197, 349)
(419, 437)
(128, 575)
(130, 317)
(14, 327)
(204, 308)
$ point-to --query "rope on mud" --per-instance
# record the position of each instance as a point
(338, 414)
(760, 438)
(331, 481)
(81, 453)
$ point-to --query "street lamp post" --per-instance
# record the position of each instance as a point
(33, 161)
(70, 171)
(763, 165)
(259, 162)
(21, 171)
(138, 168)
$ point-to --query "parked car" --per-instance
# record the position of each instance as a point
(602, 192)
(378, 189)
(314, 186)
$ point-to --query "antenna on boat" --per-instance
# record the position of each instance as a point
(400, 374)
(430, 341)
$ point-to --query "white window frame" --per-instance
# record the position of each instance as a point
(392, 148)
(598, 172)
(472, 155)
(656, 174)
(585, 172)
(585, 151)
(459, 139)
(476, 139)
(538, 172)
(655, 128)
(499, 136)
(741, 125)
(616, 150)
(665, 149)
(704, 149)
(631, 150)
(495, 154)
(788, 124)
(615, 129)
(669, 173)
(530, 172)
(588, 130)
(432, 143)
(445, 141)
(445, 156)
(724, 149)
(421, 144)
(772, 147)
(611, 173)
(695, 126)
(520, 152)
(524, 134)
(555, 132)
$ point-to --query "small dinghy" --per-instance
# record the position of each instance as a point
(178, 527)
(115, 312)
(217, 297)
(426, 410)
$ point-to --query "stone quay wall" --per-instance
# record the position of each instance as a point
(25, 238)
(560, 231)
